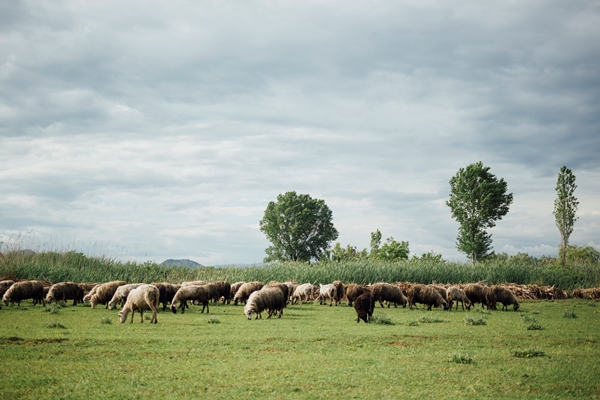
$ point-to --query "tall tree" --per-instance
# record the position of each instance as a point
(477, 200)
(565, 207)
(375, 243)
(299, 227)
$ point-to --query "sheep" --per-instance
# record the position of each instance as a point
(426, 295)
(303, 293)
(121, 294)
(105, 292)
(4, 285)
(383, 291)
(92, 292)
(339, 287)
(167, 292)
(352, 291)
(456, 294)
(234, 288)
(223, 290)
(327, 292)
(364, 306)
(476, 293)
(141, 298)
(191, 292)
(245, 290)
(291, 286)
(283, 287)
(267, 298)
(499, 294)
(25, 290)
(196, 283)
(65, 291)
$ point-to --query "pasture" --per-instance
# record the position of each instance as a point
(313, 351)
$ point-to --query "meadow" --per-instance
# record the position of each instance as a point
(548, 349)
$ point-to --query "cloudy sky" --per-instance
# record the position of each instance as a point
(149, 130)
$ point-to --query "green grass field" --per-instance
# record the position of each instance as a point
(311, 352)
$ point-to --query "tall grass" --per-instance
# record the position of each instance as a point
(75, 266)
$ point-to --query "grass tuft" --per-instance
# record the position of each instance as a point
(413, 322)
(459, 358)
(106, 321)
(534, 324)
(569, 314)
(536, 352)
(475, 320)
(382, 320)
(430, 320)
(56, 325)
(213, 320)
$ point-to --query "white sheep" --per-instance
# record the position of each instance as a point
(456, 294)
(303, 293)
(141, 298)
(121, 294)
(327, 292)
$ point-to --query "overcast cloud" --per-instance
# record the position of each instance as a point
(153, 130)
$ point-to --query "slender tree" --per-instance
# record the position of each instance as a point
(565, 207)
(477, 200)
(299, 227)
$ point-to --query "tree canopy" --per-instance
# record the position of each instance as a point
(299, 228)
(477, 200)
(565, 207)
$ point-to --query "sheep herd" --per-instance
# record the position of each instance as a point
(257, 297)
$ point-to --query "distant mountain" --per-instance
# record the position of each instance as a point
(181, 263)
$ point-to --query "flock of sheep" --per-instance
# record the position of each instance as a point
(270, 298)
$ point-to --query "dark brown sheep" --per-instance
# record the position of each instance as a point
(477, 293)
(64, 291)
(284, 287)
(426, 295)
(383, 291)
(246, 290)
(499, 294)
(234, 288)
(364, 306)
(352, 291)
(167, 292)
(339, 295)
(25, 290)
(105, 292)
(4, 285)
(456, 294)
(201, 294)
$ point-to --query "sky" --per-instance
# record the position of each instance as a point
(149, 130)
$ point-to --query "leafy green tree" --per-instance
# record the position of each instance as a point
(477, 200)
(392, 250)
(339, 253)
(375, 243)
(565, 207)
(299, 227)
(586, 255)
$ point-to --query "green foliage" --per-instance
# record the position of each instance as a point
(55, 324)
(299, 227)
(475, 320)
(430, 320)
(106, 321)
(534, 324)
(392, 250)
(459, 358)
(582, 255)
(528, 353)
(565, 208)
(213, 320)
(381, 320)
(339, 254)
(569, 314)
(477, 200)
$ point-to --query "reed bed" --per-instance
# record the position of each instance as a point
(75, 266)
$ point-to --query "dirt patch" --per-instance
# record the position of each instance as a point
(15, 340)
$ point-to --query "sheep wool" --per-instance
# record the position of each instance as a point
(141, 298)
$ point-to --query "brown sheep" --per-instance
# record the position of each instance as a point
(426, 295)
(191, 292)
(339, 295)
(476, 293)
(364, 306)
(91, 293)
(4, 285)
(245, 291)
(234, 288)
(64, 291)
(383, 291)
(105, 292)
(285, 289)
(267, 298)
(223, 290)
(499, 294)
(352, 291)
(141, 298)
(456, 294)
(167, 292)
(25, 290)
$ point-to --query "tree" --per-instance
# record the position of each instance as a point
(299, 227)
(477, 200)
(375, 243)
(392, 250)
(565, 207)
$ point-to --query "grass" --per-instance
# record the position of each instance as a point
(474, 320)
(528, 353)
(311, 352)
(459, 358)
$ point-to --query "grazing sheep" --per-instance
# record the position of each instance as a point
(383, 291)
(364, 306)
(121, 294)
(191, 292)
(245, 291)
(476, 293)
(195, 283)
(456, 294)
(303, 293)
(291, 286)
(223, 290)
(25, 290)
(499, 294)
(426, 295)
(91, 293)
(327, 292)
(352, 291)
(141, 298)
(105, 292)
(285, 289)
(167, 292)
(64, 291)
(268, 298)
(339, 291)
(234, 288)
(4, 285)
